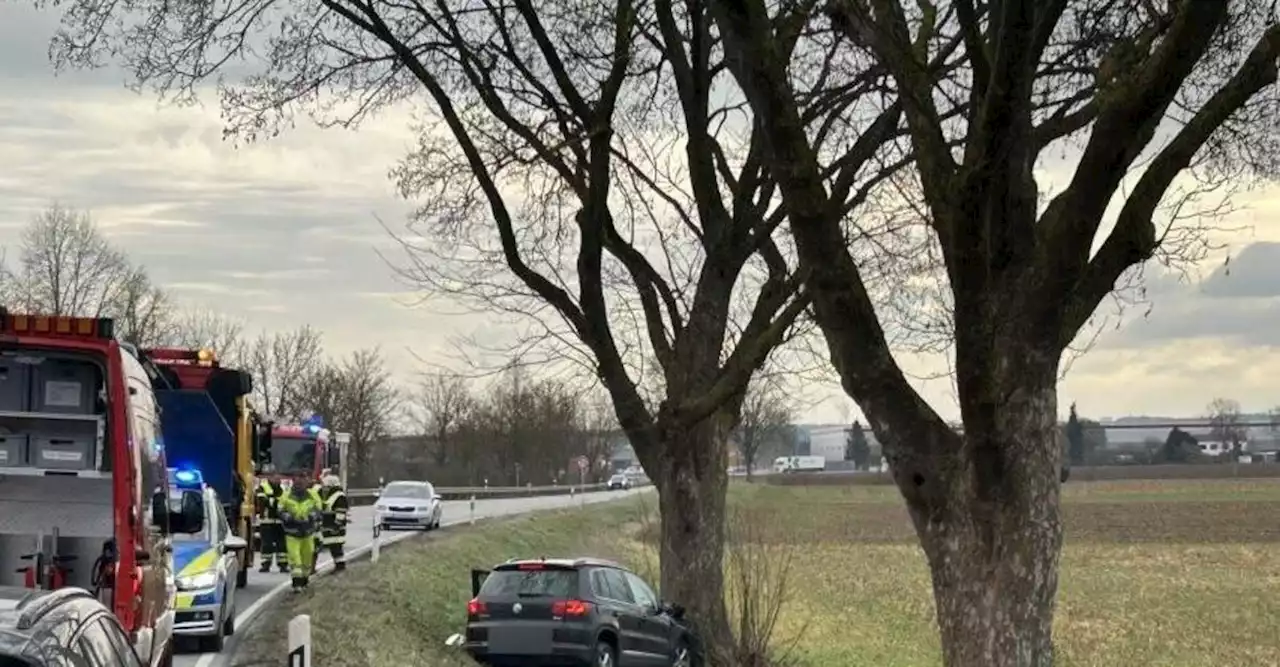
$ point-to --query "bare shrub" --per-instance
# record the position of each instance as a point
(758, 563)
(758, 569)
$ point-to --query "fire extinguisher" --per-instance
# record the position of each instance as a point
(46, 571)
(103, 578)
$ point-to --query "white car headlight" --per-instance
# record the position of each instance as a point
(198, 581)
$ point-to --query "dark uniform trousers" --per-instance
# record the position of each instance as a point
(333, 526)
(270, 530)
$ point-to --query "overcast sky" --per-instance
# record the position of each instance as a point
(287, 232)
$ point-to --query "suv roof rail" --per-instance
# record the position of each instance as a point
(39, 603)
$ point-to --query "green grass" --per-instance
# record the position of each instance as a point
(398, 612)
(1168, 573)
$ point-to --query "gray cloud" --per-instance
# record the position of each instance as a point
(285, 233)
(279, 234)
(1239, 302)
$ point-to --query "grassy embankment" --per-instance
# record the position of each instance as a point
(1168, 573)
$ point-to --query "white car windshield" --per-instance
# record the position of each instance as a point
(414, 491)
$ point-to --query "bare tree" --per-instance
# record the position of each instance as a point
(1226, 425)
(442, 403)
(281, 364)
(67, 267)
(766, 418)
(583, 174)
(1009, 81)
(143, 311)
(599, 434)
(354, 395)
(204, 328)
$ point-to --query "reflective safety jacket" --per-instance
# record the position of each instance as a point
(334, 527)
(301, 513)
(266, 502)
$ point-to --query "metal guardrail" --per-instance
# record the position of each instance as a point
(486, 490)
(367, 496)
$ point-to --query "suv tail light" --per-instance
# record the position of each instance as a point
(475, 607)
(570, 608)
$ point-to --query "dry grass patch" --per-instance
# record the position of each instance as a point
(1167, 574)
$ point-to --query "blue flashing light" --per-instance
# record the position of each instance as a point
(314, 423)
(312, 428)
(188, 478)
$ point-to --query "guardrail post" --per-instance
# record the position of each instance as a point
(300, 641)
(473, 509)
(375, 547)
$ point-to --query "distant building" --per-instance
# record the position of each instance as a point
(828, 440)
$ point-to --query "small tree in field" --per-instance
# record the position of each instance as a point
(856, 447)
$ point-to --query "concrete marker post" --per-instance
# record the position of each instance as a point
(300, 641)
(473, 509)
(375, 545)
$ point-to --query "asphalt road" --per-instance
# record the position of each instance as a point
(250, 599)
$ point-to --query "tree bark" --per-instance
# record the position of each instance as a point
(692, 482)
(992, 532)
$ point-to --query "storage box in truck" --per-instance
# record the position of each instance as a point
(81, 460)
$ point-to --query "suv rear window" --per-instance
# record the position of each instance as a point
(553, 583)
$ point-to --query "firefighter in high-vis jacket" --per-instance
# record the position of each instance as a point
(301, 511)
(333, 526)
(270, 534)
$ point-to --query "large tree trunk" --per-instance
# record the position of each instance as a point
(692, 481)
(992, 529)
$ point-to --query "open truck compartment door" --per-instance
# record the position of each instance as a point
(477, 580)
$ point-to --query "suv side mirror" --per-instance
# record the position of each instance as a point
(160, 512)
(673, 610)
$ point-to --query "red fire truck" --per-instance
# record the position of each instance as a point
(84, 500)
(307, 448)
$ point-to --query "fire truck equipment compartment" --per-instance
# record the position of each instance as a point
(65, 450)
(15, 386)
(79, 507)
(65, 386)
(13, 449)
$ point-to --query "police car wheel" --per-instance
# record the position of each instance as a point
(242, 577)
(213, 643)
(229, 623)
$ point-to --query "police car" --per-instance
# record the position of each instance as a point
(205, 563)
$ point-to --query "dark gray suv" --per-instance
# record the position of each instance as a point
(572, 613)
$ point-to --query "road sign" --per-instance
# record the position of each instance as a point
(582, 462)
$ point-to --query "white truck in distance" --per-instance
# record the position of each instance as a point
(799, 464)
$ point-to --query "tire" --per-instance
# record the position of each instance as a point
(166, 660)
(229, 624)
(213, 643)
(606, 655)
(242, 577)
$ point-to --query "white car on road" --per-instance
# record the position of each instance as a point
(408, 505)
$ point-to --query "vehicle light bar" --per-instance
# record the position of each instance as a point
(61, 326)
(186, 478)
(201, 357)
